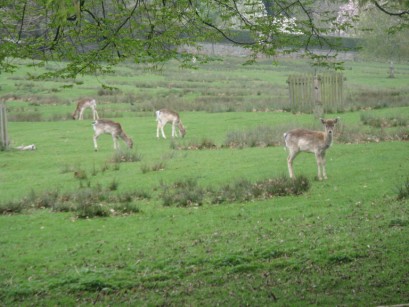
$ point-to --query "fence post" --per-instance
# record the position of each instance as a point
(4, 141)
(391, 70)
(318, 110)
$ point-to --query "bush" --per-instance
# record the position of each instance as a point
(184, 193)
(261, 136)
(243, 190)
(382, 122)
(204, 143)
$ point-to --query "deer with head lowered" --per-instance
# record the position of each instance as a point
(82, 104)
(102, 126)
(165, 116)
(316, 142)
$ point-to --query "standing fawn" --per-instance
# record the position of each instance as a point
(102, 126)
(165, 116)
(82, 105)
(316, 142)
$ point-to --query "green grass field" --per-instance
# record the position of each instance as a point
(343, 242)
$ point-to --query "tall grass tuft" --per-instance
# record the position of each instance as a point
(403, 190)
(126, 156)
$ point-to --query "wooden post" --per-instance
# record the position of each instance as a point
(391, 70)
(4, 140)
(318, 110)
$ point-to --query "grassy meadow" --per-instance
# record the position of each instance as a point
(211, 219)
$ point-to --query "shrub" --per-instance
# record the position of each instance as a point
(125, 208)
(204, 143)
(261, 136)
(243, 190)
(182, 194)
(12, 207)
(381, 122)
(25, 117)
(89, 210)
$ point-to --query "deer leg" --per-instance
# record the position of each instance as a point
(173, 129)
(157, 130)
(115, 139)
(290, 160)
(81, 114)
(163, 132)
(95, 114)
(95, 142)
(319, 165)
(323, 163)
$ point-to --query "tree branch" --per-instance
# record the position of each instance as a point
(400, 14)
(217, 29)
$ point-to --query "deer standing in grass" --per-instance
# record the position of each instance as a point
(165, 116)
(102, 126)
(316, 142)
(82, 105)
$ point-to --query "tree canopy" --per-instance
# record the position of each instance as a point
(94, 35)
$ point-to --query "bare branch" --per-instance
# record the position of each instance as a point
(380, 7)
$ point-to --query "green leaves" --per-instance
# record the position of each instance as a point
(88, 34)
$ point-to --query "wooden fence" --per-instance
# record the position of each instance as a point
(4, 140)
(309, 93)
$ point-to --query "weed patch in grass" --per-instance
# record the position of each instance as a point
(188, 193)
(121, 156)
(243, 190)
(403, 190)
(204, 143)
(185, 193)
(159, 166)
(261, 136)
(384, 122)
(87, 202)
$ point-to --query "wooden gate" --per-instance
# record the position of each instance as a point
(4, 140)
(311, 92)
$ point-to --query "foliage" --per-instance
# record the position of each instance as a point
(86, 202)
(260, 136)
(379, 122)
(184, 193)
(95, 36)
(243, 190)
(384, 36)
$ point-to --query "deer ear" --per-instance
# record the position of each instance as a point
(322, 120)
(336, 120)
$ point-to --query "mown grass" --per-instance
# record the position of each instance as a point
(105, 231)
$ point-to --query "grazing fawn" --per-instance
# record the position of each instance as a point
(102, 126)
(165, 116)
(316, 142)
(82, 105)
